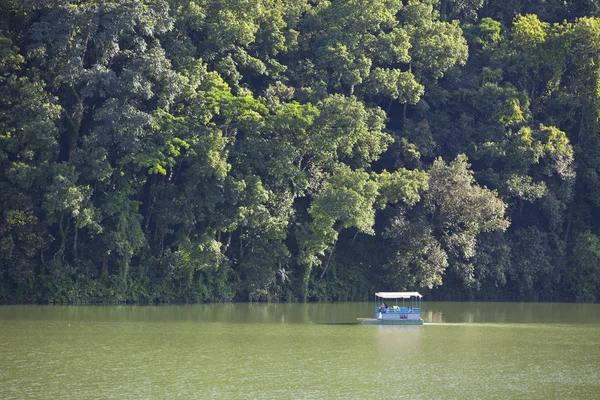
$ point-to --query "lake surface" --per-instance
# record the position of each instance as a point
(299, 351)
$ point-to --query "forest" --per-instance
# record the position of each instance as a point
(157, 151)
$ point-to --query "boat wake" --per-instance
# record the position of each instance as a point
(475, 324)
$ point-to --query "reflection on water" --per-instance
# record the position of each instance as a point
(319, 313)
(397, 340)
(250, 351)
(228, 312)
(527, 313)
(431, 316)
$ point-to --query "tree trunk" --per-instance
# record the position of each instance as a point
(569, 221)
(75, 124)
(104, 270)
(75, 238)
(328, 260)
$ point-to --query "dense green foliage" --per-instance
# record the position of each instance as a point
(171, 150)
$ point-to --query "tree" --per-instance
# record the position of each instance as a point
(28, 149)
(585, 276)
(444, 230)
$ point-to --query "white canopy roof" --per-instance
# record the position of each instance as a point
(397, 295)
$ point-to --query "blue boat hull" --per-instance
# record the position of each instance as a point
(375, 321)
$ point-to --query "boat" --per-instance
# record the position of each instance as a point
(406, 311)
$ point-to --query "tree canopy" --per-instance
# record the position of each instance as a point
(283, 150)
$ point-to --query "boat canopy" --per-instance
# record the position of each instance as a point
(398, 295)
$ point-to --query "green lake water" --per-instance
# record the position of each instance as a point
(299, 351)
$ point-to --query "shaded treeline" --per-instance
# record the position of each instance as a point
(283, 150)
